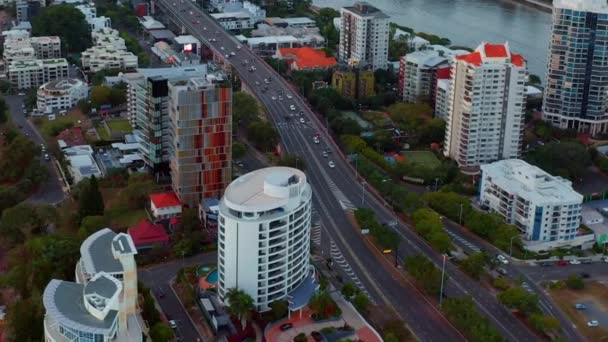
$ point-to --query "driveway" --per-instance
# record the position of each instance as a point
(50, 191)
(158, 277)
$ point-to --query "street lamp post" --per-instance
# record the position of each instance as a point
(442, 281)
(511, 247)
(460, 215)
(363, 193)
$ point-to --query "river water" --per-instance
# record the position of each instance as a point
(469, 22)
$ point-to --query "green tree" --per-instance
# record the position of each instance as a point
(323, 305)
(90, 202)
(17, 157)
(473, 265)
(544, 323)
(240, 304)
(390, 337)
(348, 289)
(65, 21)
(21, 316)
(100, 95)
(518, 299)
(279, 309)
(361, 302)
(463, 313)
(263, 135)
(91, 224)
(428, 224)
(245, 109)
(575, 282)
(3, 111)
(567, 159)
(292, 160)
(424, 271)
(238, 150)
(161, 332)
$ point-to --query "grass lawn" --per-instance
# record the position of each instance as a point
(120, 125)
(103, 133)
(122, 218)
(593, 292)
(421, 157)
(50, 128)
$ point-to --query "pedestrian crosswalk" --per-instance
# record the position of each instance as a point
(316, 235)
(338, 258)
(464, 242)
(291, 125)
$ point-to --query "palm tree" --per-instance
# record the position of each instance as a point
(240, 304)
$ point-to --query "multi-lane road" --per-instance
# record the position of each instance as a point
(337, 188)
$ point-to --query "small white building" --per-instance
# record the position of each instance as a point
(545, 208)
(60, 94)
(34, 73)
(18, 46)
(82, 164)
(234, 20)
(165, 205)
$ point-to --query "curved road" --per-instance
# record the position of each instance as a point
(337, 188)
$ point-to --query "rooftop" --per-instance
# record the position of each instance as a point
(145, 232)
(492, 53)
(530, 182)
(263, 189)
(64, 301)
(164, 200)
(231, 15)
(364, 9)
(307, 57)
(429, 58)
(97, 251)
(62, 84)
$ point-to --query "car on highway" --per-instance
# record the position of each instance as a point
(238, 47)
(191, 13)
(579, 306)
(585, 275)
(160, 292)
(286, 326)
(325, 155)
(173, 324)
(280, 98)
(204, 28)
(232, 53)
(257, 83)
(545, 264)
(315, 140)
(222, 48)
(502, 259)
(562, 263)
(593, 324)
(47, 157)
(274, 98)
(292, 107)
(213, 40)
(331, 164)
(289, 96)
(302, 120)
(501, 271)
(227, 56)
(574, 262)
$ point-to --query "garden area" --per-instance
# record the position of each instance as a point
(425, 158)
(51, 128)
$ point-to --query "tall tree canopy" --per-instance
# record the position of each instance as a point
(65, 21)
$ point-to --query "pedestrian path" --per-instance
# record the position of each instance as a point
(463, 241)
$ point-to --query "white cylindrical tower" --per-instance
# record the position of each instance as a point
(264, 234)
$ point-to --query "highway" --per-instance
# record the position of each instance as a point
(337, 188)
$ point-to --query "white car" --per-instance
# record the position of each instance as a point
(232, 53)
(331, 164)
(238, 47)
(204, 28)
(274, 98)
(502, 259)
(605, 259)
(574, 262)
(173, 324)
(222, 48)
(289, 96)
(227, 56)
(325, 154)
(280, 98)
(292, 107)
(302, 120)
(592, 324)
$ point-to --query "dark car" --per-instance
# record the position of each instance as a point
(585, 275)
(317, 336)
(286, 326)
(160, 293)
(545, 264)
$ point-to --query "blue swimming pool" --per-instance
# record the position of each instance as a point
(212, 277)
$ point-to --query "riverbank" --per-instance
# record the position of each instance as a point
(543, 5)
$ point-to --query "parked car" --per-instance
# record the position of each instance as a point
(501, 271)
(562, 263)
(286, 326)
(605, 259)
(545, 264)
(580, 306)
(502, 259)
(586, 261)
(585, 275)
(593, 323)
(173, 324)
(574, 262)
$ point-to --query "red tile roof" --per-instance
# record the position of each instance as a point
(496, 50)
(472, 58)
(72, 136)
(145, 232)
(163, 200)
(443, 73)
(308, 58)
(518, 60)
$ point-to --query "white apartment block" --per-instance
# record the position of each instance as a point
(108, 52)
(485, 122)
(25, 48)
(264, 237)
(417, 74)
(34, 73)
(101, 305)
(364, 33)
(10, 2)
(234, 20)
(442, 98)
(60, 94)
(545, 208)
(90, 14)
